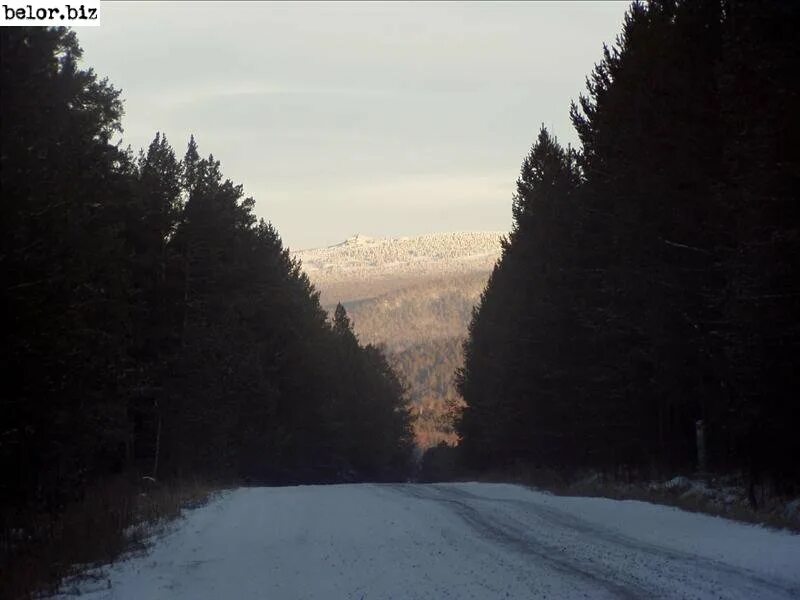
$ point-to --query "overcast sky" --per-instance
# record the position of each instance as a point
(381, 119)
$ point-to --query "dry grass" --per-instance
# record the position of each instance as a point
(115, 517)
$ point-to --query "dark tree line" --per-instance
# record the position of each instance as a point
(652, 277)
(151, 324)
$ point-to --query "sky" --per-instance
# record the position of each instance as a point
(384, 119)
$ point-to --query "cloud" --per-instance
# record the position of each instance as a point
(373, 116)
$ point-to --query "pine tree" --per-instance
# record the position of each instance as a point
(759, 90)
(152, 219)
(63, 252)
(657, 292)
(515, 358)
(154, 326)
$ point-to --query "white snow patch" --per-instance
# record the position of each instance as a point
(362, 257)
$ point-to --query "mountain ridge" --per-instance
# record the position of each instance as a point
(363, 266)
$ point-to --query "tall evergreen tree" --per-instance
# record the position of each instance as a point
(759, 188)
(508, 378)
(152, 324)
(650, 133)
(654, 298)
(64, 275)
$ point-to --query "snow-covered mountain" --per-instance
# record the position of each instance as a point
(363, 267)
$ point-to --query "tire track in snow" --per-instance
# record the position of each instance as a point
(511, 536)
(621, 565)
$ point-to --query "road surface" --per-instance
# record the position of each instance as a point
(441, 541)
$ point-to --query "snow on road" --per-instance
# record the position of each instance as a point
(466, 540)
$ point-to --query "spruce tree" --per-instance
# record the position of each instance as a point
(65, 277)
(517, 355)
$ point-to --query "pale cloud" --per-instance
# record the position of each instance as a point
(414, 193)
(183, 97)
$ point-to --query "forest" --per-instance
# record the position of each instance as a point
(643, 317)
(152, 326)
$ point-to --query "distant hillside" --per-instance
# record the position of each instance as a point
(428, 368)
(414, 295)
(423, 310)
(365, 267)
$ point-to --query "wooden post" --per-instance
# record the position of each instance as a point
(158, 442)
(701, 446)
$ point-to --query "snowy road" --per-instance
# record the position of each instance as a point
(451, 541)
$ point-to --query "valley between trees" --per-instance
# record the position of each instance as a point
(421, 323)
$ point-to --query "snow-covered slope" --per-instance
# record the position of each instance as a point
(465, 540)
(362, 258)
